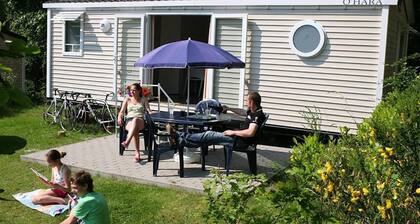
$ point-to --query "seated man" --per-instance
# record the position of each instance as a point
(253, 120)
(91, 206)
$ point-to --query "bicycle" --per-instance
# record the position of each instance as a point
(99, 110)
(52, 108)
(60, 109)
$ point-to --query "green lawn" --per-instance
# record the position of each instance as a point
(24, 131)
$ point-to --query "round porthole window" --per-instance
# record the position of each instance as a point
(307, 38)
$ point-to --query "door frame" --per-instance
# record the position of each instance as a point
(212, 40)
(149, 36)
(142, 44)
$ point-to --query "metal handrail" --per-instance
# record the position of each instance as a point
(160, 89)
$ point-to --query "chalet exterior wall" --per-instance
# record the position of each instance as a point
(341, 82)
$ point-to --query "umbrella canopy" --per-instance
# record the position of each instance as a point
(189, 53)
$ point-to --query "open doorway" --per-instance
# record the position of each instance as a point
(170, 28)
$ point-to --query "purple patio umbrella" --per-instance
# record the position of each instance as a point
(189, 54)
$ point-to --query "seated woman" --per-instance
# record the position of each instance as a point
(134, 106)
(60, 184)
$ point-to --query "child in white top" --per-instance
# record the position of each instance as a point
(60, 184)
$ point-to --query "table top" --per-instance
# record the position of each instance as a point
(192, 119)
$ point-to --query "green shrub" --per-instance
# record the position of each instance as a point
(397, 124)
(406, 71)
(371, 176)
(368, 177)
(228, 197)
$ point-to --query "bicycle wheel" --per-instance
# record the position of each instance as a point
(66, 117)
(49, 113)
(80, 118)
(107, 120)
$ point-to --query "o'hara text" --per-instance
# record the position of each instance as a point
(362, 2)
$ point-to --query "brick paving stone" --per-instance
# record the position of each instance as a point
(100, 156)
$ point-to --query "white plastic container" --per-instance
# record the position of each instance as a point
(191, 155)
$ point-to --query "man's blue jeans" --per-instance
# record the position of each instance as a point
(196, 140)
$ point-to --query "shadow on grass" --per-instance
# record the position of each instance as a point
(10, 144)
(10, 111)
(5, 199)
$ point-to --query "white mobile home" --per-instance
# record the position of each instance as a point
(328, 54)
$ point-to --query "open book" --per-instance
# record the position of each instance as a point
(40, 175)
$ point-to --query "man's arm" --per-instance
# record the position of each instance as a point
(246, 133)
(70, 220)
(237, 111)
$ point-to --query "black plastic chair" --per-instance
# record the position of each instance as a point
(212, 105)
(250, 150)
(145, 133)
(158, 148)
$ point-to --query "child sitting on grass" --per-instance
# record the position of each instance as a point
(59, 184)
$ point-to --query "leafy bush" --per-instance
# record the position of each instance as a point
(371, 176)
(228, 197)
(407, 71)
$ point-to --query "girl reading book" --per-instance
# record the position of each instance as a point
(60, 181)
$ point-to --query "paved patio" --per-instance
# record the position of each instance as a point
(100, 156)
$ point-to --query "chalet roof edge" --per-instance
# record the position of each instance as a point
(185, 3)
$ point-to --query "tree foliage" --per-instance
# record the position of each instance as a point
(14, 48)
(28, 19)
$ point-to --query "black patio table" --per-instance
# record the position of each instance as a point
(197, 121)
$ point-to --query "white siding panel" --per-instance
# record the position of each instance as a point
(93, 71)
(340, 82)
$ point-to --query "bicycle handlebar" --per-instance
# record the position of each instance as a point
(112, 94)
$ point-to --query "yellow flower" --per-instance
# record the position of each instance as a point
(382, 211)
(418, 190)
(330, 187)
(372, 132)
(384, 155)
(380, 150)
(388, 204)
(365, 191)
(317, 188)
(328, 167)
(350, 188)
(335, 199)
(380, 185)
(324, 177)
(395, 194)
(360, 209)
(355, 194)
(354, 200)
(390, 151)
(399, 182)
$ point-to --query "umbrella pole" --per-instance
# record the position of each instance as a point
(188, 93)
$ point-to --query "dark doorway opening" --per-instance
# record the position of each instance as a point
(170, 28)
